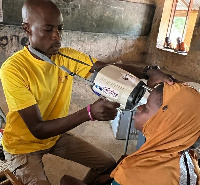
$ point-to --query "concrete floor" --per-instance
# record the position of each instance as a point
(98, 133)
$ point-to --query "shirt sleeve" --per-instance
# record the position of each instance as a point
(16, 90)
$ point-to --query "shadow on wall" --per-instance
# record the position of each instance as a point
(96, 16)
(107, 47)
(134, 52)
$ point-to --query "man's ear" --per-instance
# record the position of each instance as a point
(26, 28)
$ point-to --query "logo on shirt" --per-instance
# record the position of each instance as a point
(61, 79)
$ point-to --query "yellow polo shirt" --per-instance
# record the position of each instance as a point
(27, 81)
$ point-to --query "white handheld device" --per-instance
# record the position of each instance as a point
(116, 84)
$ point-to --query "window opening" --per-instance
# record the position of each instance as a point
(178, 33)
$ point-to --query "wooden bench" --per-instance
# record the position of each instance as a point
(7, 178)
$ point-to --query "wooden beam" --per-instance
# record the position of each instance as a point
(173, 10)
(183, 13)
(188, 14)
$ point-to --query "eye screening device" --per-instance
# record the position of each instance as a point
(116, 84)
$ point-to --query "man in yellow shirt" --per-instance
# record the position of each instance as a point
(38, 96)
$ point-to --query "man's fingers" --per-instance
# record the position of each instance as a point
(162, 77)
(104, 110)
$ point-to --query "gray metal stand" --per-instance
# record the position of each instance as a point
(128, 132)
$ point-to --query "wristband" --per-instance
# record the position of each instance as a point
(146, 77)
(89, 113)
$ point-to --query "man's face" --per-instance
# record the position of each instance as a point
(46, 31)
(146, 111)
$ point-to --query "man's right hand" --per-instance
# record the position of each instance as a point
(156, 76)
(104, 110)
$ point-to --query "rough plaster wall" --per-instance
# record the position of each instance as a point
(11, 40)
(104, 43)
(105, 47)
(96, 16)
(189, 65)
(102, 16)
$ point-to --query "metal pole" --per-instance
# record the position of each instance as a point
(128, 131)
